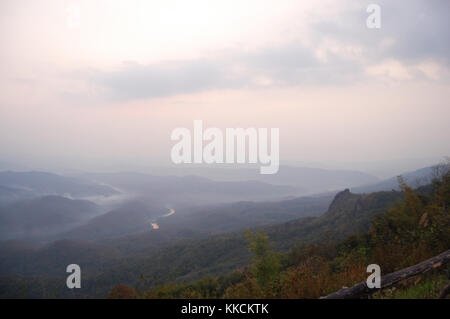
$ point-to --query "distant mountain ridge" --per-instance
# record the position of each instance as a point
(191, 188)
(43, 183)
(414, 179)
(307, 180)
(193, 258)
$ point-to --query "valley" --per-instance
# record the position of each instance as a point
(144, 241)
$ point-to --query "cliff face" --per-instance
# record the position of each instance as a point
(343, 203)
(347, 214)
(350, 213)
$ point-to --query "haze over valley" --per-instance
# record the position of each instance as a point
(109, 220)
(222, 149)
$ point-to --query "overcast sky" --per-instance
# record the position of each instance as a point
(92, 83)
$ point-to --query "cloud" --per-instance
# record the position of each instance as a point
(410, 31)
(165, 79)
(391, 69)
(272, 67)
(411, 44)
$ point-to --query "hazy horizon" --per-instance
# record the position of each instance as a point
(380, 169)
(101, 85)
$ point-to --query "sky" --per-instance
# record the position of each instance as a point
(102, 84)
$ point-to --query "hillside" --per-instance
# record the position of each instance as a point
(240, 215)
(42, 183)
(43, 216)
(414, 178)
(191, 189)
(222, 253)
(130, 218)
(401, 240)
(192, 258)
(308, 180)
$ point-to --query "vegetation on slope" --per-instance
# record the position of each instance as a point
(415, 229)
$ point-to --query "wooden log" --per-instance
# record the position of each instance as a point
(361, 290)
(445, 292)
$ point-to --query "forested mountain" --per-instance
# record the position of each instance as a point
(230, 217)
(192, 258)
(308, 180)
(190, 242)
(191, 189)
(10, 195)
(43, 216)
(415, 178)
(413, 230)
(24, 258)
(41, 183)
(132, 217)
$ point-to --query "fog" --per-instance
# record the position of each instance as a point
(106, 91)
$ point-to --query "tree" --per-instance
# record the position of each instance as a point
(122, 292)
(266, 263)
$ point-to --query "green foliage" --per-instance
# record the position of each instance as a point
(305, 258)
(415, 229)
(266, 263)
(421, 288)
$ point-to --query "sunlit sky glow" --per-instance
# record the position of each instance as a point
(92, 83)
